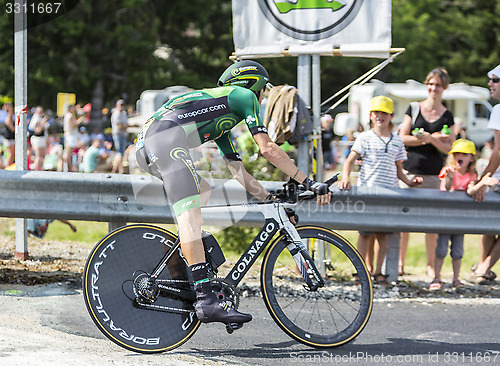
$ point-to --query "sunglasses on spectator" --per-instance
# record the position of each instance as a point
(495, 80)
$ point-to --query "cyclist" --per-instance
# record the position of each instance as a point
(190, 120)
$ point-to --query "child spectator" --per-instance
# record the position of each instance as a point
(459, 174)
(382, 153)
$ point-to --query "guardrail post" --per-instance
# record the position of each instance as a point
(391, 263)
(115, 224)
(21, 101)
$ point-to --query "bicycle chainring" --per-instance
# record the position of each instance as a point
(225, 292)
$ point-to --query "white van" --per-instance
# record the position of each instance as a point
(469, 103)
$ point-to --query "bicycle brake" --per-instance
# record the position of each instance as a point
(231, 327)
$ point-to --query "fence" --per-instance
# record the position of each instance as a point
(118, 199)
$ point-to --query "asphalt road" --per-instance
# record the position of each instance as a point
(50, 325)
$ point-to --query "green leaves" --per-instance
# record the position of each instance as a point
(135, 45)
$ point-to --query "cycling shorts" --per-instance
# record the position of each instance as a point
(165, 155)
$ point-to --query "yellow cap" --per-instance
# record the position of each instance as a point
(463, 146)
(382, 104)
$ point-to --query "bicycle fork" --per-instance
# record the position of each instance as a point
(306, 265)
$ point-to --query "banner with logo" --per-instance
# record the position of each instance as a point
(267, 28)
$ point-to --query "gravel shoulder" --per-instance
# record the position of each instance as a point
(53, 262)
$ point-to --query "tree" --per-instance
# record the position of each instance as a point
(103, 50)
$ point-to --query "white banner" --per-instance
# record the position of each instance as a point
(267, 28)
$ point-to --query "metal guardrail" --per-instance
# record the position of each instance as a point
(137, 198)
(119, 199)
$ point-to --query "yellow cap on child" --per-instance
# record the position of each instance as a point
(463, 146)
(382, 104)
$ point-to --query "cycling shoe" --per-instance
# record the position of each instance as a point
(210, 309)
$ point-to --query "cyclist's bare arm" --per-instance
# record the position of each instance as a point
(251, 184)
(276, 156)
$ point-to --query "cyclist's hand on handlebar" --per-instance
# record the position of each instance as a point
(321, 189)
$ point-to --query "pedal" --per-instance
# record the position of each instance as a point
(231, 327)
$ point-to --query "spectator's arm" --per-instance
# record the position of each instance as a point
(73, 227)
(478, 191)
(405, 133)
(402, 176)
(251, 184)
(9, 123)
(344, 182)
(495, 156)
(440, 141)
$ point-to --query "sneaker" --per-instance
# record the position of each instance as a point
(210, 309)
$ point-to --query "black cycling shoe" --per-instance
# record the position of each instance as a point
(210, 309)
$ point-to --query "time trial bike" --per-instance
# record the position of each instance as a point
(140, 294)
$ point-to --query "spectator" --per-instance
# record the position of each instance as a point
(425, 150)
(70, 127)
(490, 252)
(119, 126)
(39, 227)
(382, 154)
(53, 156)
(327, 136)
(459, 174)
(9, 132)
(348, 138)
(83, 137)
(38, 129)
(94, 154)
(82, 144)
(460, 128)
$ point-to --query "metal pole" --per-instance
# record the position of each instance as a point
(21, 109)
(304, 88)
(391, 261)
(316, 111)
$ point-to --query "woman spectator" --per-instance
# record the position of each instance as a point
(426, 147)
(38, 129)
(10, 132)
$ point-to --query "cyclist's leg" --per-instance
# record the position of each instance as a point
(165, 155)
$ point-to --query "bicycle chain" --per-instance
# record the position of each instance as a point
(166, 309)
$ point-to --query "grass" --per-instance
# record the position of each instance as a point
(89, 233)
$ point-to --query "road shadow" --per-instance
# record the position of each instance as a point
(413, 351)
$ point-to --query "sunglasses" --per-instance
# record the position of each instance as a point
(495, 80)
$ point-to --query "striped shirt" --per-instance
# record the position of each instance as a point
(379, 155)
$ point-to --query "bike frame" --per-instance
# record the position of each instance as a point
(275, 219)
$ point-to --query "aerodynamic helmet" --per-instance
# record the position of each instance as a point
(248, 74)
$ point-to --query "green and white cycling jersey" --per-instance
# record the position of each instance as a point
(209, 115)
(188, 121)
